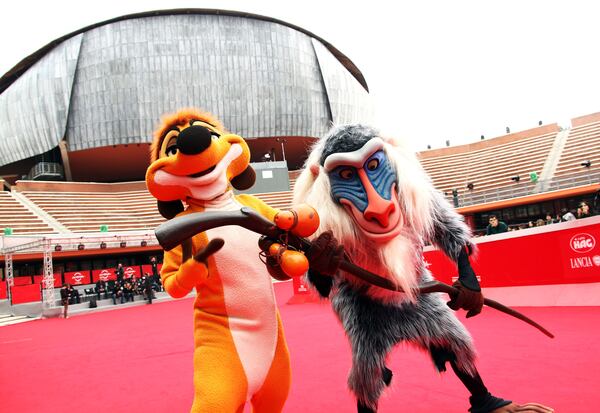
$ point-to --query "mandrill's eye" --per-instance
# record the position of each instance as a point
(373, 164)
(171, 150)
(347, 173)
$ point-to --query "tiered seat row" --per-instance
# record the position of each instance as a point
(293, 175)
(22, 221)
(279, 200)
(583, 144)
(87, 211)
(490, 167)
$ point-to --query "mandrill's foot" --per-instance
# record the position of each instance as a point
(523, 408)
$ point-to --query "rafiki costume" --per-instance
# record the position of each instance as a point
(240, 352)
(374, 197)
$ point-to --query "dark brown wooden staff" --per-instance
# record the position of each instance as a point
(175, 231)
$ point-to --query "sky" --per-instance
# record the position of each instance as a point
(437, 70)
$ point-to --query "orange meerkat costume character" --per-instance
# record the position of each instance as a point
(240, 352)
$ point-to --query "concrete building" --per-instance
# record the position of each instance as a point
(83, 107)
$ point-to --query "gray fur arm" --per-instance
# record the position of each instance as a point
(452, 235)
(322, 283)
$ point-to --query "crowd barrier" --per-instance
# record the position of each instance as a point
(563, 253)
(26, 291)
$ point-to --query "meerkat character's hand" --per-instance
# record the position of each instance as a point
(192, 271)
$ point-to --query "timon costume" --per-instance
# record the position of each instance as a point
(240, 352)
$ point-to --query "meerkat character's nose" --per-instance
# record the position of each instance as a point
(194, 140)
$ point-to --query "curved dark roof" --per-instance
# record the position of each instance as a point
(13, 74)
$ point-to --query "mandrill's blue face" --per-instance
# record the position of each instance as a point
(346, 180)
(365, 183)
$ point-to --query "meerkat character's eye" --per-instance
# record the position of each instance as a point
(171, 150)
(214, 135)
(347, 173)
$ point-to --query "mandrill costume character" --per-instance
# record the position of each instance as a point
(373, 196)
(240, 353)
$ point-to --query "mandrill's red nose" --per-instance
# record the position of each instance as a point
(379, 210)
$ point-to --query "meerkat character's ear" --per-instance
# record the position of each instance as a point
(245, 180)
(169, 209)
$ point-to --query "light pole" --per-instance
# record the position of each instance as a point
(282, 141)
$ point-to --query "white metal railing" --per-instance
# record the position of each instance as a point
(46, 169)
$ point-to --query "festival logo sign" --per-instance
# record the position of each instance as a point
(104, 275)
(77, 277)
(130, 271)
(582, 243)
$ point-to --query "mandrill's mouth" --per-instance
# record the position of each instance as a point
(379, 227)
(202, 173)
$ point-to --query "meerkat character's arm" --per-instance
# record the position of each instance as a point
(181, 271)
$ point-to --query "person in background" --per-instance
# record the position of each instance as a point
(117, 292)
(148, 291)
(567, 215)
(119, 271)
(74, 297)
(540, 223)
(128, 290)
(155, 274)
(583, 211)
(496, 226)
(64, 299)
(101, 289)
(549, 219)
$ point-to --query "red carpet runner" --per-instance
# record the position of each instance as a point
(140, 359)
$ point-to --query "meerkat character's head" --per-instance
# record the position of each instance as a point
(193, 156)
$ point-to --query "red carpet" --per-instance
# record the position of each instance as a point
(139, 359)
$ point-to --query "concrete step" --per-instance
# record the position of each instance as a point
(107, 304)
(7, 320)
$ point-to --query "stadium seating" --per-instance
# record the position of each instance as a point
(490, 165)
(22, 221)
(583, 144)
(87, 211)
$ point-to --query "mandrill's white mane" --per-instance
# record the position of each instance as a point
(398, 259)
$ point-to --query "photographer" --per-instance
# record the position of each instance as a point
(64, 299)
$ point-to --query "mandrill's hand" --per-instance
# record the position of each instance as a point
(469, 295)
(467, 299)
(273, 267)
(325, 254)
(523, 408)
